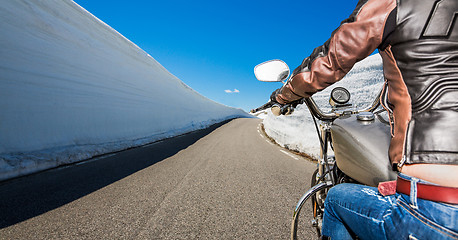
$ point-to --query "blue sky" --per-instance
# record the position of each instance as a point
(213, 46)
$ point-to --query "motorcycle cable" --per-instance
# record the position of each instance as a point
(324, 174)
(328, 170)
(317, 131)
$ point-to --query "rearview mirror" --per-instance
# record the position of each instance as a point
(272, 71)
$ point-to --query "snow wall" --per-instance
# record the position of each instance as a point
(297, 131)
(71, 88)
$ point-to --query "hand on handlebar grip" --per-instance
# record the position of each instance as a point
(278, 109)
(285, 109)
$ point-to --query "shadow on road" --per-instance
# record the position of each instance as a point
(26, 197)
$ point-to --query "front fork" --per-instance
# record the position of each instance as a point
(323, 179)
(326, 162)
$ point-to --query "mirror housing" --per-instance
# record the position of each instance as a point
(272, 71)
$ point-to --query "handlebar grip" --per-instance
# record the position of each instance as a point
(278, 109)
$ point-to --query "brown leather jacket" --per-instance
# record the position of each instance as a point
(418, 42)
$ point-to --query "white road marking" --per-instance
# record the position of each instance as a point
(289, 154)
(267, 140)
(263, 136)
(259, 131)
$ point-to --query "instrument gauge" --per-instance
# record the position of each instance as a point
(340, 95)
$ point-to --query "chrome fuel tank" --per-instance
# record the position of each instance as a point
(361, 149)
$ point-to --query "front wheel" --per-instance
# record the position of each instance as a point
(310, 193)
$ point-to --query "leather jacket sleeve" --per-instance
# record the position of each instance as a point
(355, 39)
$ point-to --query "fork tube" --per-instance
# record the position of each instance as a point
(323, 150)
(326, 133)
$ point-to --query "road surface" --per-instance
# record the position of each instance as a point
(225, 182)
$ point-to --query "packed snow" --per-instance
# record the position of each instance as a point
(297, 131)
(71, 88)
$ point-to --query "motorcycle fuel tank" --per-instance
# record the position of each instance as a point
(361, 149)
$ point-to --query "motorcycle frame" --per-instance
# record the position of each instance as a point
(327, 173)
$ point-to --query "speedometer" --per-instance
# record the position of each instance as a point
(339, 95)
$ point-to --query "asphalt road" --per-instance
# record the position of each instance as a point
(225, 182)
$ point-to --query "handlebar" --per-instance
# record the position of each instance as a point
(274, 71)
(316, 111)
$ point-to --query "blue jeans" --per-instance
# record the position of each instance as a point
(357, 210)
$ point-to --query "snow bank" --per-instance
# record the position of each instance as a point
(297, 131)
(71, 88)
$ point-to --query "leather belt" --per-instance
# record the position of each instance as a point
(429, 192)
